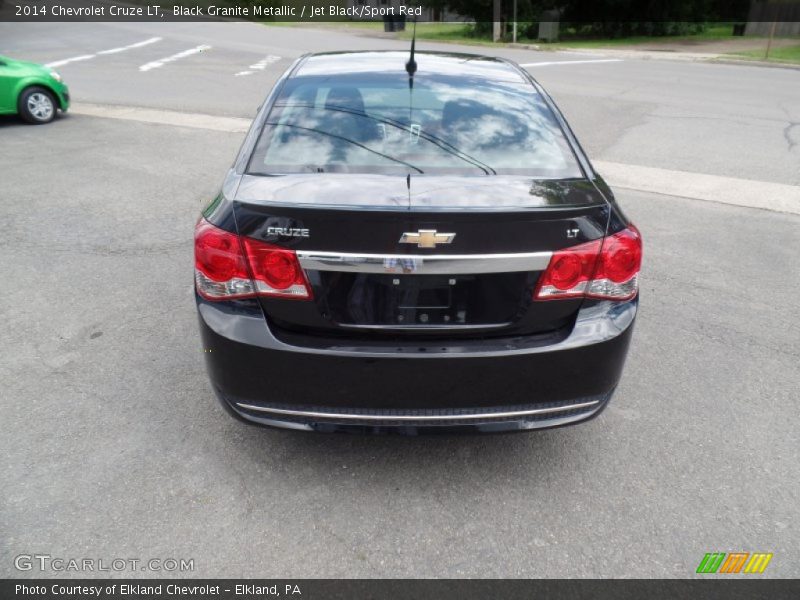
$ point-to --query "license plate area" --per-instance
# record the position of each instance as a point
(424, 301)
(413, 296)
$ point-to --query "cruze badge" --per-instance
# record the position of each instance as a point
(288, 232)
(426, 238)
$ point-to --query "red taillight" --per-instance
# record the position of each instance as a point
(220, 269)
(228, 267)
(276, 271)
(607, 268)
(568, 272)
(621, 258)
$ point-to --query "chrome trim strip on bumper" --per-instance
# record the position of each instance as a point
(436, 264)
(453, 417)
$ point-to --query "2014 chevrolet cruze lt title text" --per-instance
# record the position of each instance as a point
(414, 247)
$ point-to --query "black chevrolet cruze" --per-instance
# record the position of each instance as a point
(414, 245)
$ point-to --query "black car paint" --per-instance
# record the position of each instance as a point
(285, 353)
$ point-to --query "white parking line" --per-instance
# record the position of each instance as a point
(66, 61)
(162, 61)
(259, 66)
(570, 62)
(147, 42)
(267, 60)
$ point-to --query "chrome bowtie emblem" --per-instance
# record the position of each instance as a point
(426, 238)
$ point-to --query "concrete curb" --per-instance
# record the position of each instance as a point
(766, 195)
(723, 60)
(628, 53)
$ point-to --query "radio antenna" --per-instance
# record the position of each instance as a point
(411, 65)
(411, 68)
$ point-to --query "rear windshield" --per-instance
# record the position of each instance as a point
(440, 126)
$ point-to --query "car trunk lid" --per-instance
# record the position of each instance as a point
(443, 256)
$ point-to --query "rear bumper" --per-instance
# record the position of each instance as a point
(404, 422)
(493, 385)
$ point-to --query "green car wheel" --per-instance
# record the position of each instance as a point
(37, 105)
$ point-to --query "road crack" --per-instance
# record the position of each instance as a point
(788, 135)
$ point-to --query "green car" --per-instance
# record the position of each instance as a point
(33, 91)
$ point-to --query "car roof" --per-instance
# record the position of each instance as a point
(428, 63)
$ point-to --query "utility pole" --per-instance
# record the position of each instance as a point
(497, 16)
(514, 31)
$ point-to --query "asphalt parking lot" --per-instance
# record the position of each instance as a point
(115, 446)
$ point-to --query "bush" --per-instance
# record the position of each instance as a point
(481, 29)
(620, 29)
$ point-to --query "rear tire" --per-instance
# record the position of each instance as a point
(37, 105)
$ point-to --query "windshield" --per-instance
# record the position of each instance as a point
(441, 125)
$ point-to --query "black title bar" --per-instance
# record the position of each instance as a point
(567, 11)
